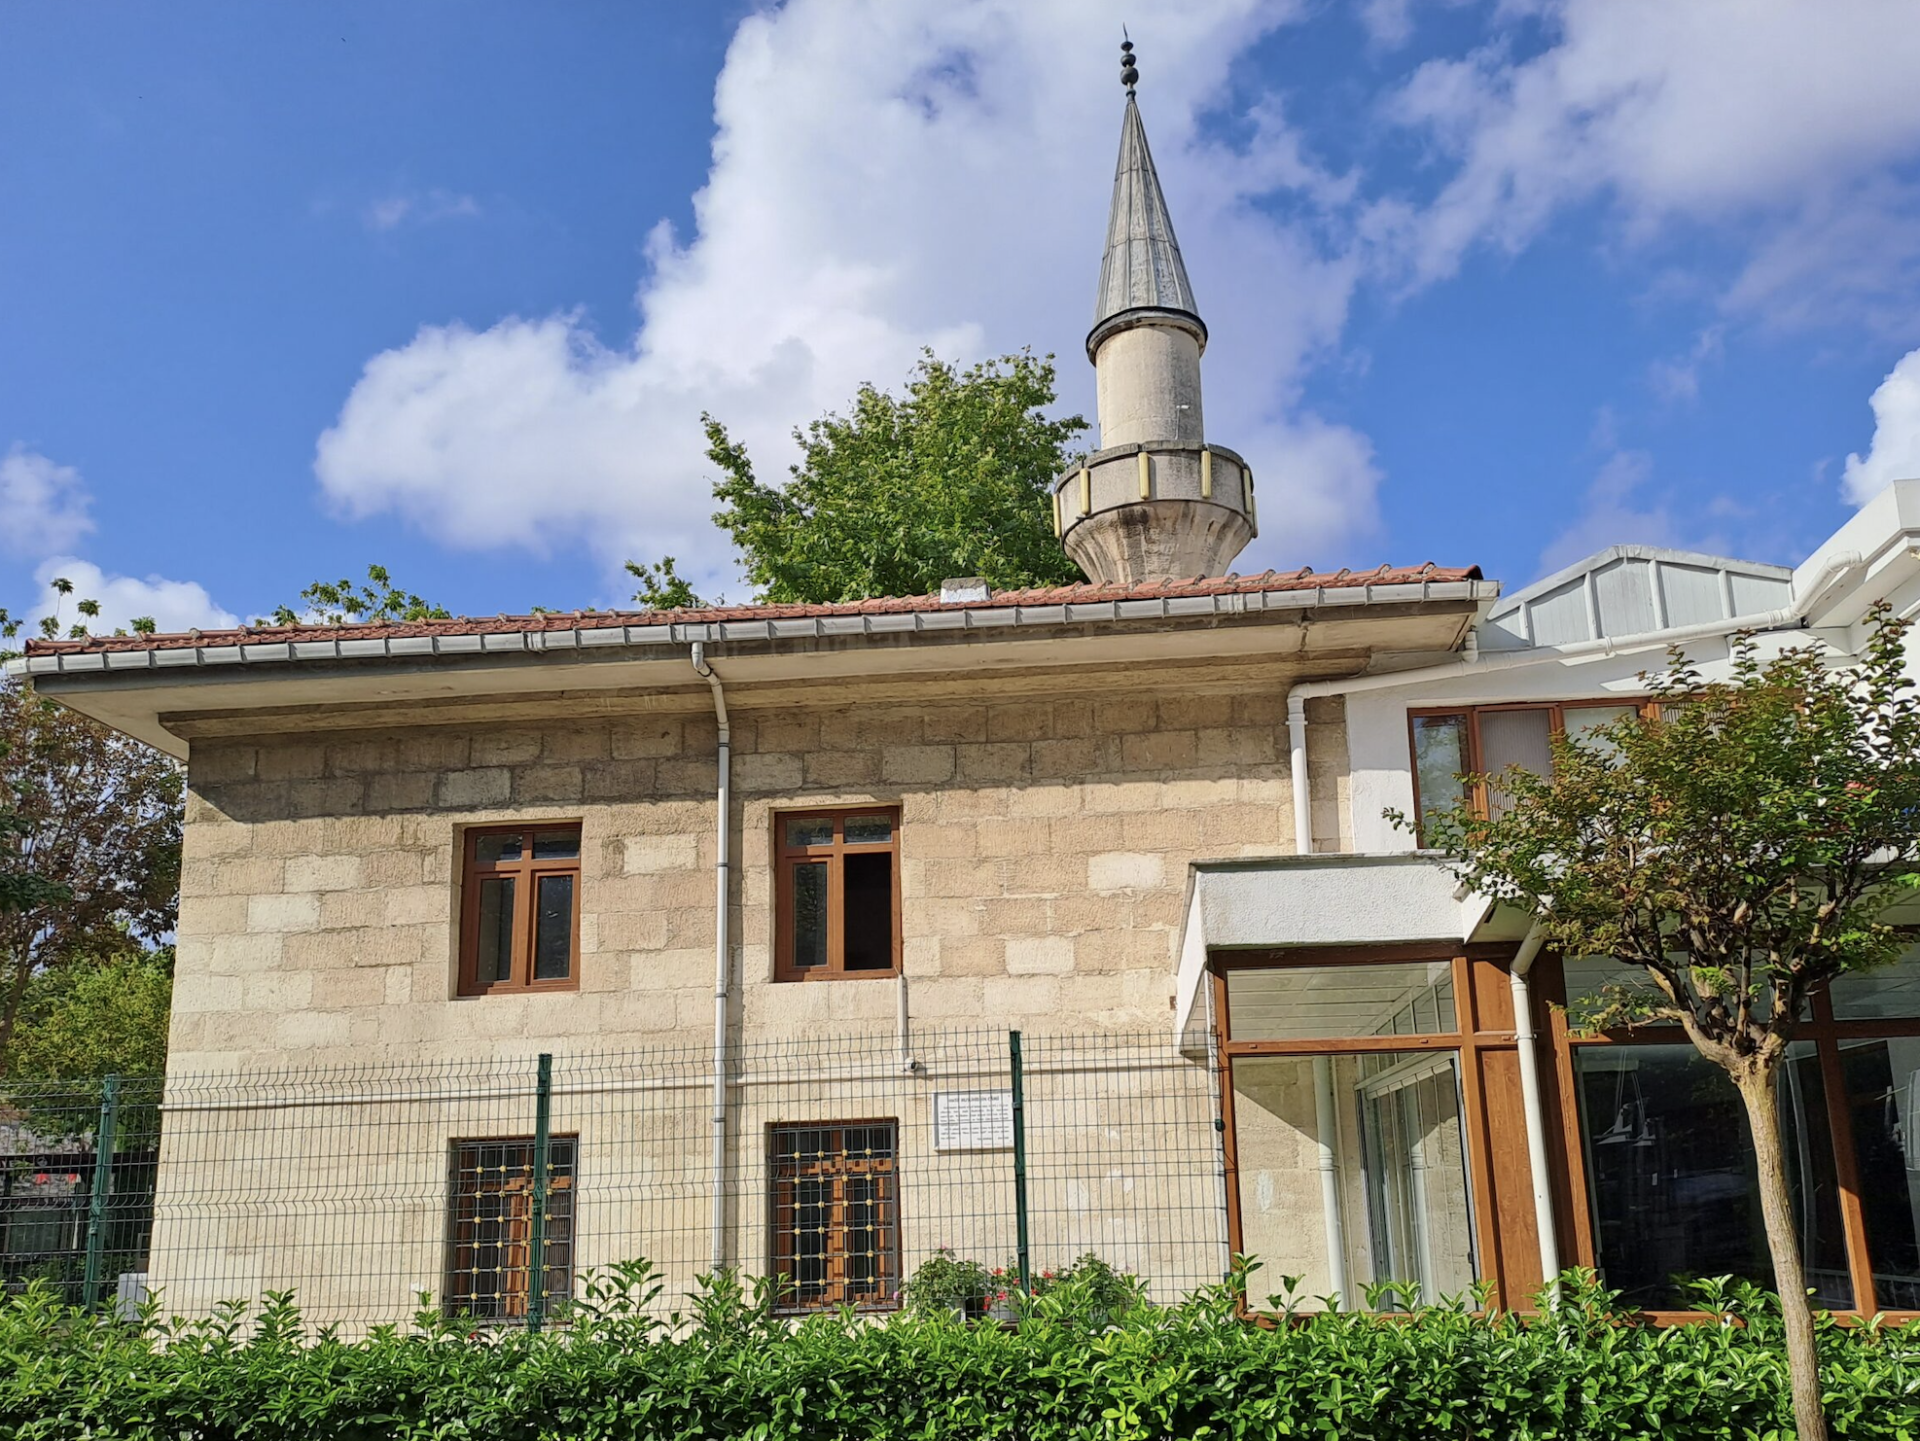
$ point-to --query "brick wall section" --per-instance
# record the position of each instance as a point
(1044, 850)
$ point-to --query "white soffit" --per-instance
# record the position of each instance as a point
(1322, 900)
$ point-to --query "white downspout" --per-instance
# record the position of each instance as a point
(722, 891)
(1326, 1121)
(1302, 792)
(1477, 661)
(1530, 1104)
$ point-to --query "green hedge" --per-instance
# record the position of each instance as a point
(731, 1368)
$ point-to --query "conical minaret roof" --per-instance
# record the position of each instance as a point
(1142, 269)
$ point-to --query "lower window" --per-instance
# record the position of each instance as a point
(836, 1217)
(1353, 1174)
(490, 1227)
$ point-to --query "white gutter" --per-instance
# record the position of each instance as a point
(1477, 662)
(265, 647)
(722, 894)
(1525, 1043)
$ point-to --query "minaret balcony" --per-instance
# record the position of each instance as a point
(1155, 511)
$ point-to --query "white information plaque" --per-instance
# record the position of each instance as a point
(972, 1120)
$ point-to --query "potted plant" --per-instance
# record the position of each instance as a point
(944, 1282)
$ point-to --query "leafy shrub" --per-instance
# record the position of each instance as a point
(731, 1366)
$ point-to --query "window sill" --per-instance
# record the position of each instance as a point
(800, 977)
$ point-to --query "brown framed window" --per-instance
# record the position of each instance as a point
(1350, 1105)
(1664, 1170)
(835, 1209)
(490, 1227)
(520, 909)
(838, 894)
(1452, 742)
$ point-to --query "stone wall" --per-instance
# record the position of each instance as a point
(1044, 844)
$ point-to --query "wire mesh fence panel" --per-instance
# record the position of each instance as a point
(77, 1172)
(1124, 1159)
(834, 1165)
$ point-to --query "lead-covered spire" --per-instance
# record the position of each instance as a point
(1157, 500)
(1142, 269)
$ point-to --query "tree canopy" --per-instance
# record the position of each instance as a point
(952, 478)
(342, 602)
(100, 1017)
(90, 851)
(1736, 854)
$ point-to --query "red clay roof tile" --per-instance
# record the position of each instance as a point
(1085, 592)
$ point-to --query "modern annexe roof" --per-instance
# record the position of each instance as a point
(142, 684)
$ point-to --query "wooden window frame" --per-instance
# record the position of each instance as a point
(527, 873)
(786, 857)
(1646, 706)
(837, 1167)
(514, 1250)
(1821, 1029)
(1467, 1038)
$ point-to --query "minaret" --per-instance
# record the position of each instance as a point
(1155, 502)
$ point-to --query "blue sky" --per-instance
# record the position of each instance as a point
(289, 289)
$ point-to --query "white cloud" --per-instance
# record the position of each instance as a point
(173, 604)
(1677, 379)
(43, 505)
(43, 512)
(1776, 112)
(418, 208)
(885, 176)
(1895, 451)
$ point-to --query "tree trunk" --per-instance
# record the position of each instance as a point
(1776, 1207)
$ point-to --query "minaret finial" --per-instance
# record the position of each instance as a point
(1129, 67)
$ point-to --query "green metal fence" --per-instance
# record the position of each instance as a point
(495, 1184)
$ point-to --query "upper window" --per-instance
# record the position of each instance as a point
(520, 922)
(1485, 740)
(839, 894)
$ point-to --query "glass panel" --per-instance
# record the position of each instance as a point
(1510, 738)
(553, 929)
(1883, 1102)
(488, 850)
(810, 915)
(869, 830)
(1888, 993)
(1439, 760)
(1328, 1002)
(1586, 975)
(810, 831)
(812, 1210)
(1671, 1175)
(869, 911)
(863, 1237)
(1581, 720)
(1367, 1147)
(495, 941)
(562, 845)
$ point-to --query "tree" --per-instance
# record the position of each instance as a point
(94, 1018)
(341, 602)
(1738, 853)
(952, 479)
(661, 587)
(91, 847)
